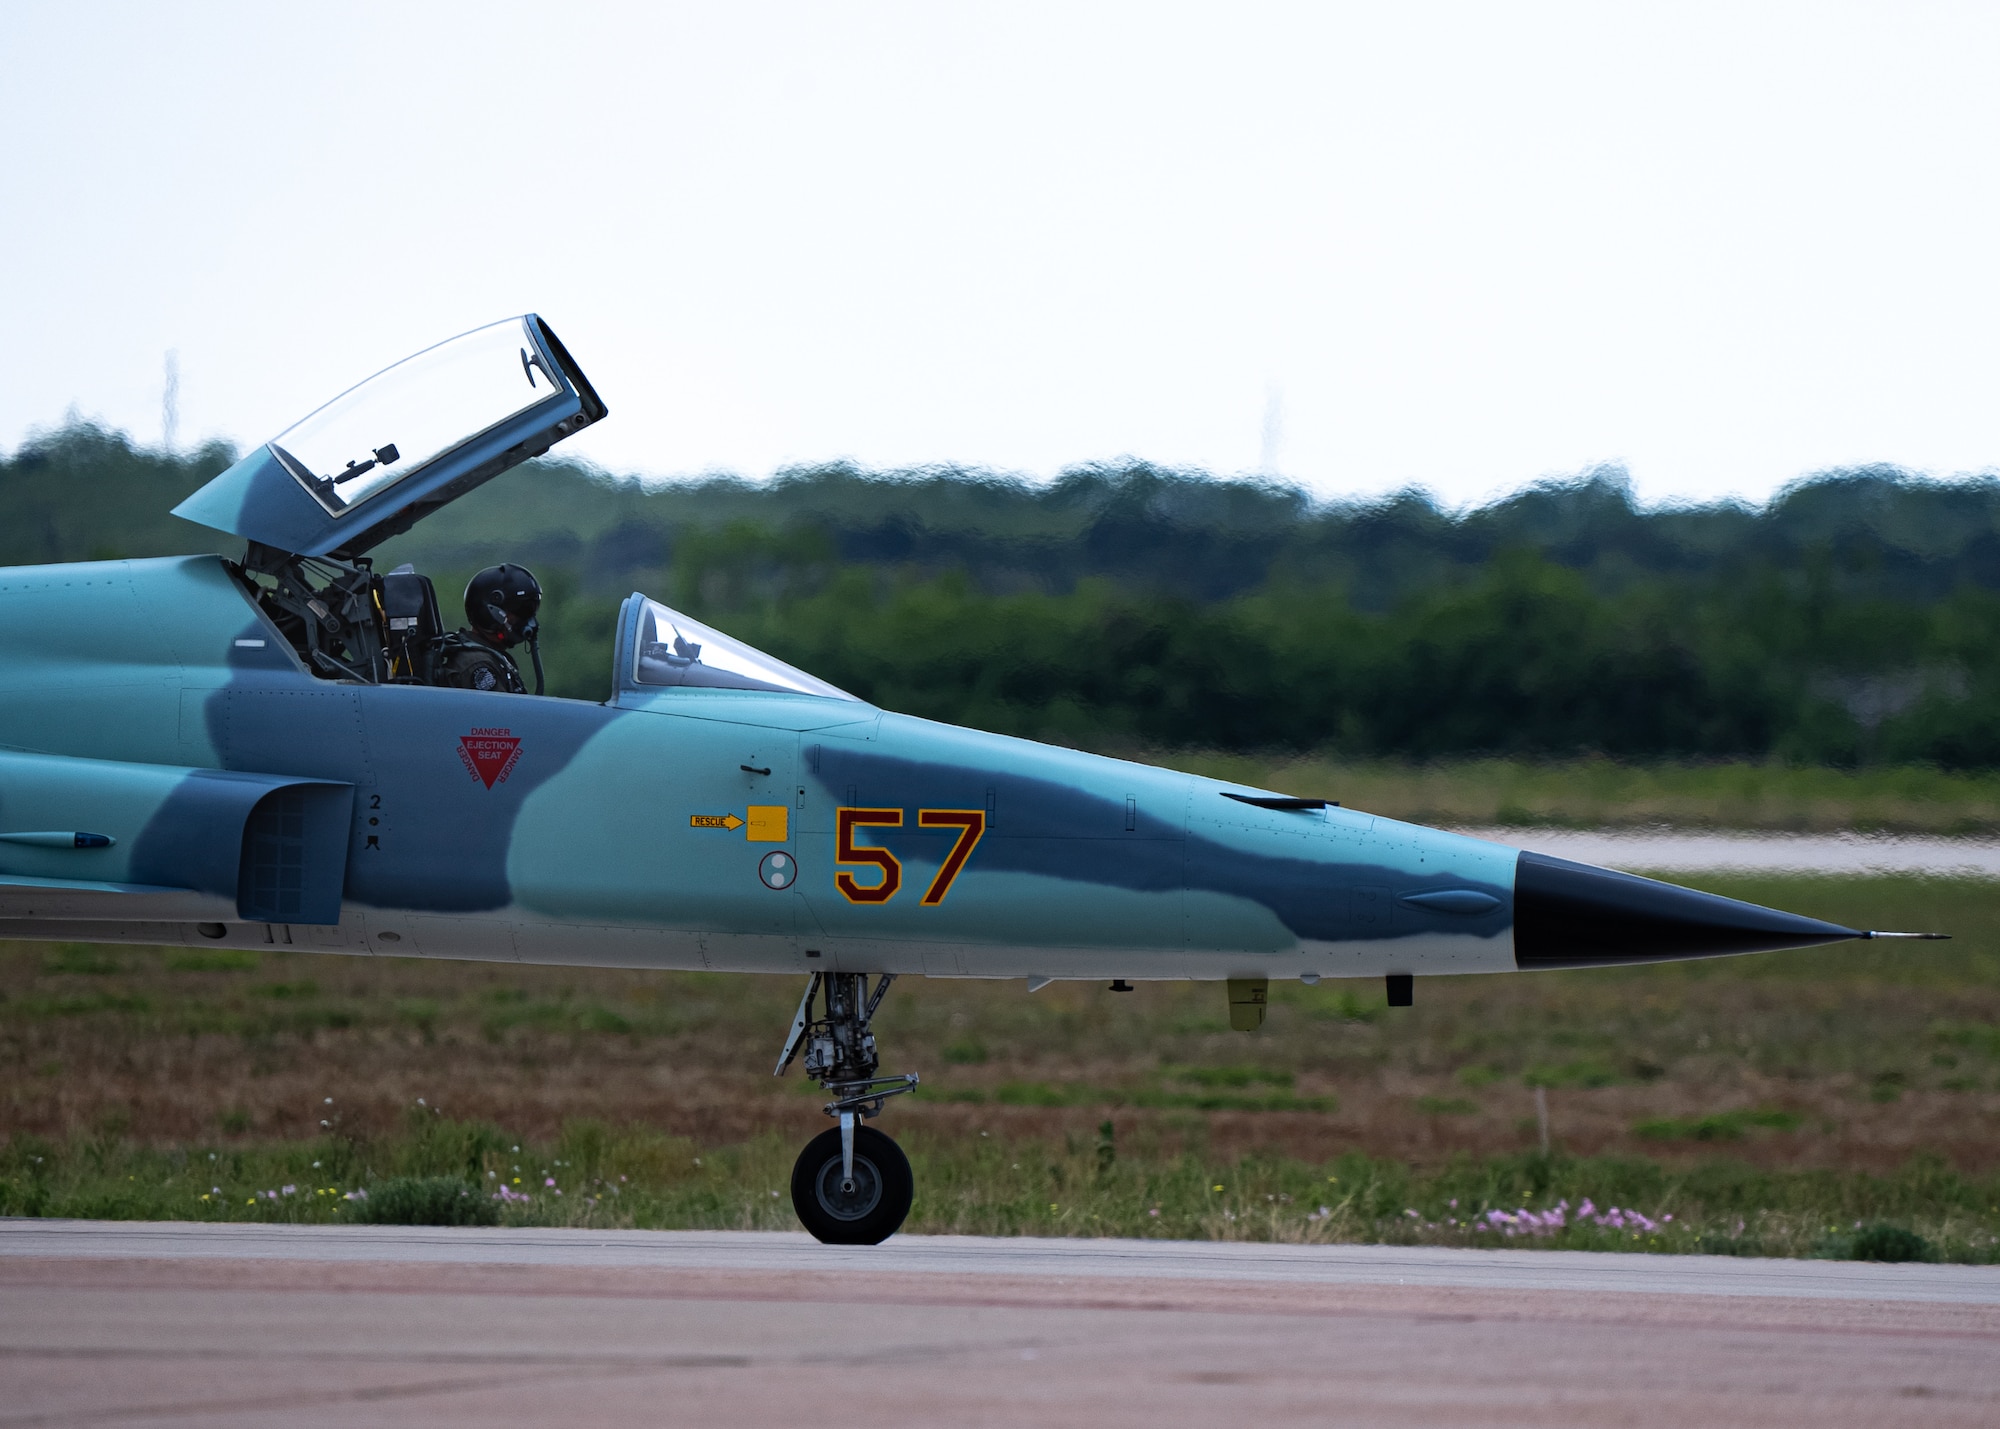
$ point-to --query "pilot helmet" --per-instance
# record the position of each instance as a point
(501, 602)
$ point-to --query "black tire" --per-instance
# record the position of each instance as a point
(873, 1210)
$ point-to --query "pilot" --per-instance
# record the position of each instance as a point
(502, 603)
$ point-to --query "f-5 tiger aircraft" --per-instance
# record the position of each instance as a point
(286, 748)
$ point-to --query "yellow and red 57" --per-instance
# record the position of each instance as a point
(969, 823)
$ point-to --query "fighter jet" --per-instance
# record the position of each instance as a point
(284, 747)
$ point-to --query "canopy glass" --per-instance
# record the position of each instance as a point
(672, 650)
(392, 426)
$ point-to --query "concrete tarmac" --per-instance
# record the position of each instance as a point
(171, 1324)
(1672, 851)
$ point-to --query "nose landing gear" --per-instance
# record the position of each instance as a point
(852, 1184)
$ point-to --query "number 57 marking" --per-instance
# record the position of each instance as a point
(971, 826)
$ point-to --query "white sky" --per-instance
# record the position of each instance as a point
(1458, 245)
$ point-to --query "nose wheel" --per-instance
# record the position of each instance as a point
(852, 1184)
(852, 1199)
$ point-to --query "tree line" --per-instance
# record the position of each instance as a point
(1526, 658)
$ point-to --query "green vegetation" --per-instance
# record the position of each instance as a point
(1717, 1126)
(1884, 1242)
(1779, 1104)
(1447, 1106)
(426, 1201)
(1523, 658)
(591, 1175)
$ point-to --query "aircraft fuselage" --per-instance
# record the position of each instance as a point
(730, 830)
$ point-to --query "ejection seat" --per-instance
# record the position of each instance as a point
(410, 615)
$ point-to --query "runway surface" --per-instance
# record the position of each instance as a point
(142, 1324)
(1663, 851)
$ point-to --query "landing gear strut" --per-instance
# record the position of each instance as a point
(852, 1185)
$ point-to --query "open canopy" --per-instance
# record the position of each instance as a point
(384, 454)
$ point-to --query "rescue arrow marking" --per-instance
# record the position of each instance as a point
(714, 821)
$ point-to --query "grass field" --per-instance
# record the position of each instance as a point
(1765, 1104)
(1599, 793)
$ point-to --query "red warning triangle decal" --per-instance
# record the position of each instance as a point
(489, 755)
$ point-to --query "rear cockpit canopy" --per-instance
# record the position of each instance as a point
(429, 403)
(376, 459)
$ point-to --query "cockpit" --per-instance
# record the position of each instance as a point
(370, 464)
(387, 452)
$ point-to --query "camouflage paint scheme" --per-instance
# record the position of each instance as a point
(172, 771)
(152, 702)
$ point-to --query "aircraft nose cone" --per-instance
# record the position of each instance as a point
(1575, 915)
